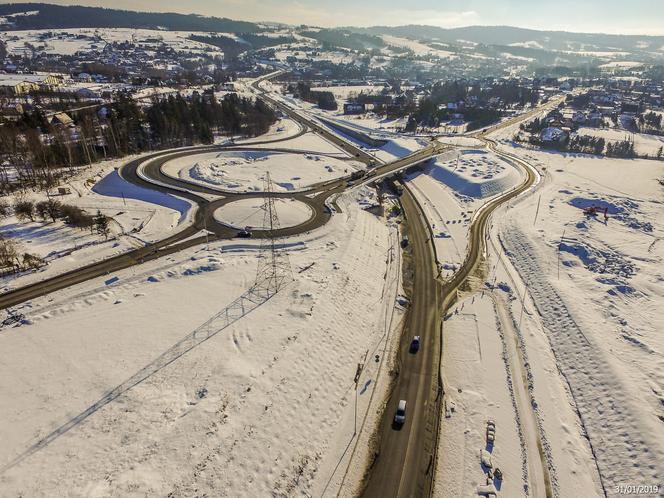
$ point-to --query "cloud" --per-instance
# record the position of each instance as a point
(346, 13)
(444, 19)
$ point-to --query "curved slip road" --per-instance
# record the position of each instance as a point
(153, 178)
(406, 458)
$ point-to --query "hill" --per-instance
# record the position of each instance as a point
(508, 35)
(21, 16)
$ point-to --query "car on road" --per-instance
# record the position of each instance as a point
(415, 344)
(244, 234)
(400, 415)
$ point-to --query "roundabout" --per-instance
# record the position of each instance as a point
(250, 213)
(242, 171)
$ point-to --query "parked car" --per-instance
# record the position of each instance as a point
(415, 344)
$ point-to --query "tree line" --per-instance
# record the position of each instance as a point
(37, 150)
(324, 99)
(12, 257)
(432, 110)
(584, 144)
(650, 123)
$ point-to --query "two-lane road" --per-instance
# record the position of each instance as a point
(405, 453)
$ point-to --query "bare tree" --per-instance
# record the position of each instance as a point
(5, 210)
(8, 253)
(24, 210)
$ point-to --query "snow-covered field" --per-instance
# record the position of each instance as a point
(71, 40)
(266, 404)
(610, 288)
(250, 213)
(374, 121)
(588, 343)
(138, 216)
(480, 388)
(417, 47)
(474, 173)
(643, 144)
(282, 129)
(244, 171)
(346, 92)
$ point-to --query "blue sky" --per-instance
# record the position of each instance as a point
(609, 16)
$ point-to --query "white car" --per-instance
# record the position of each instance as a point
(400, 415)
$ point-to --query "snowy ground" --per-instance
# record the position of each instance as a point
(244, 171)
(266, 404)
(375, 121)
(588, 341)
(643, 143)
(71, 40)
(138, 216)
(417, 47)
(479, 388)
(250, 213)
(348, 92)
(451, 189)
(309, 142)
(283, 128)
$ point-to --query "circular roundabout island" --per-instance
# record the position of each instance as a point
(249, 213)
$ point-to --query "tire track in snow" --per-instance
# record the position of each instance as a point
(619, 442)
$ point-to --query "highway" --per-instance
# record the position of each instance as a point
(406, 458)
(153, 178)
(405, 455)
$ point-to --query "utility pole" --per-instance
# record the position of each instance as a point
(537, 210)
(358, 374)
(207, 239)
(523, 304)
(274, 269)
(560, 244)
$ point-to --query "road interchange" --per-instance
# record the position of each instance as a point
(153, 178)
(406, 459)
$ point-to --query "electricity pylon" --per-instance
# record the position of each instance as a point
(273, 273)
(274, 269)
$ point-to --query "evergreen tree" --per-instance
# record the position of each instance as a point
(101, 224)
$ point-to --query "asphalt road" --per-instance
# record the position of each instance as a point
(406, 457)
(405, 453)
(315, 197)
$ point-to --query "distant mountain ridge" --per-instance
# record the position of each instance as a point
(508, 35)
(51, 16)
(526, 42)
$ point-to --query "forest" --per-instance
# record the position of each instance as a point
(35, 151)
(323, 99)
(60, 16)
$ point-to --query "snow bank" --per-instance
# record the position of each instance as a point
(475, 174)
(250, 213)
(113, 185)
(244, 171)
